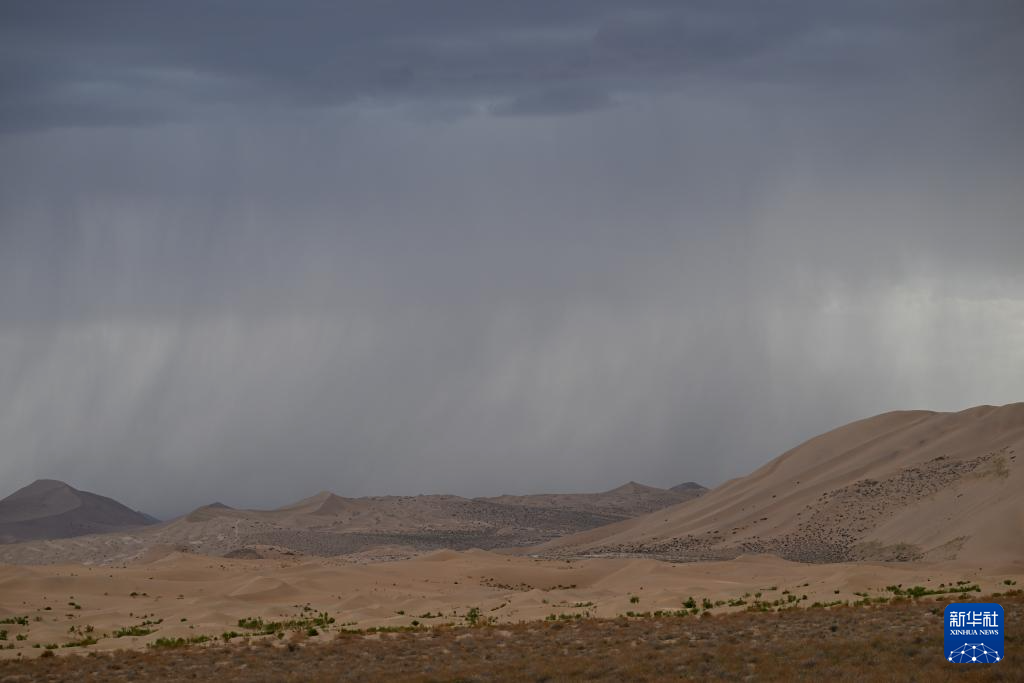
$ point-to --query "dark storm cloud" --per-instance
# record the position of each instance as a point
(253, 250)
(114, 63)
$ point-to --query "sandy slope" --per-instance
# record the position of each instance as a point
(898, 486)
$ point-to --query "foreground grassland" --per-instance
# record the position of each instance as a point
(900, 640)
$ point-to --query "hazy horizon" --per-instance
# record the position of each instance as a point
(250, 251)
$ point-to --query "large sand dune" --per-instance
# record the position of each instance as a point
(912, 485)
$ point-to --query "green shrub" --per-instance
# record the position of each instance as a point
(132, 631)
(174, 643)
(84, 642)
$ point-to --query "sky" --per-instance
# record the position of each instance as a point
(254, 250)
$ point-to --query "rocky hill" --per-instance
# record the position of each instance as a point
(50, 509)
(628, 500)
(382, 526)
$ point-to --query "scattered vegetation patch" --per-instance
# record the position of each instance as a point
(84, 642)
(175, 643)
(843, 644)
(921, 591)
(132, 631)
(318, 620)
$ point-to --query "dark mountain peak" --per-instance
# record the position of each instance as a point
(40, 487)
(688, 487)
(632, 487)
(48, 508)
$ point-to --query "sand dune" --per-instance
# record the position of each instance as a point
(898, 486)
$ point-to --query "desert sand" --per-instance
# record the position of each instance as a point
(189, 596)
(861, 513)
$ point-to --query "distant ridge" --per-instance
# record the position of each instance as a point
(48, 509)
(690, 487)
(632, 487)
(629, 500)
(327, 524)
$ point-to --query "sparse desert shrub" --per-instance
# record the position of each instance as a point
(132, 631)
(174, 643)
(84, 642)
(792, 644)
(321, 620)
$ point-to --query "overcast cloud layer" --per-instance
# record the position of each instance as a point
(252, 250)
